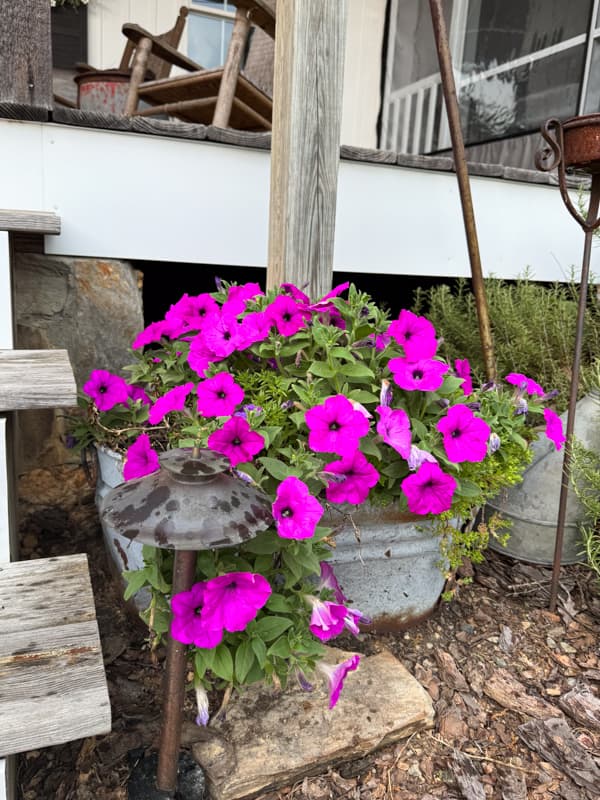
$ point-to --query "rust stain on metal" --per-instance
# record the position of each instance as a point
(121, 552)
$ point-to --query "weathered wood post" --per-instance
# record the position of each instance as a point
(307, 110)
(26, 57)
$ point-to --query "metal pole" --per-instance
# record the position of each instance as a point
(462, 175)
(566, 469)
(184, 570)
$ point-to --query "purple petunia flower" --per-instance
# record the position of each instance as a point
(426, 375)
(355, 476)
(287, 315)
(335, 426)
(522, 406)
(465, 435)
(494, 443)
(295, 510)
(237, 441)
(232, 601)
(173, 400)
(152, 333)
(136, 393)
(329, 581)
(386, 394)
(352, 618)
(326, 619)
(106, 389)
(202, 705)
(416, 457)
(336, 675)
(463, 370)
(324, 302)
(554, 428)
(238, 296)
(296, 293)
(193, 313)
(141, 459)
(530, 386)
(218, 396)
(189, 624)
(255, 327)
(220, 336)
(416, 335)
(394, 429)
(429, 491)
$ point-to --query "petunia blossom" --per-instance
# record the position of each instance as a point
(335, 426)
(136, 393)
(426, 375)
(394, 429)
(193, 313)
(429, 490)
(287, 315)
(189, 624)
(386, 394)
(295, 510)
(218, 396)
(141, 459)
(415, 334)
(173, 400)
(355, 476)
(105, 389)
(336, 675)
(237, 441)
(416, 457)
(554, 428)
(530, 386)
(463, 370)
(328, 580)
(202, 705)
(221, 336)
(352, 618)
(465, 436)
(152, 333)
(326, 619)
(232, 601)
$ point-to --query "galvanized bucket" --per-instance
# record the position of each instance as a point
(532, 506)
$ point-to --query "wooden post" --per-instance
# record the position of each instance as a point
(26, 53)
(307, 110)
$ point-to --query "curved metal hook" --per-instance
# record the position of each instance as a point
(554, 151)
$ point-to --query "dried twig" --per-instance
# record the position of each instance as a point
(491, 760)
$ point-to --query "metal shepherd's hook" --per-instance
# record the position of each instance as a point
(574, 143)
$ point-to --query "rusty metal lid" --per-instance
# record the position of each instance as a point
(193, 502)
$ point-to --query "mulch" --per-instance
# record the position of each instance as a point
(516, 689)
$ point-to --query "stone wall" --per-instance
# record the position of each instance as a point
(90, 307)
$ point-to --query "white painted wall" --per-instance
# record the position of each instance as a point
(107, 187)
(362, 71)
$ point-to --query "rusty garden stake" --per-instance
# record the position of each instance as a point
(462, 175)
(575, 144)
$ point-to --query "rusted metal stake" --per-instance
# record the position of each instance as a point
(462, 175)
(566, 469)
(184, 570)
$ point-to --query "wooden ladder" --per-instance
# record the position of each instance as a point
(52, 681)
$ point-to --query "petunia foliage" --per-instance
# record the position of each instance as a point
(323, 405)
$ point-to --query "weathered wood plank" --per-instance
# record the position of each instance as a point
(8, 498)
(307, 99)
(165, 127)
(36, 379)
(24, 112)
(52, 682)
(25, 55)
(351, 153)
(42, 222)
(91, 119)
(259, 139)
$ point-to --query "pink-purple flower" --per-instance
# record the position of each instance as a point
(417, 456)
(232, 601)
(523, 382)
(326, 619)
(141, 459)
(328, 580)
(425, 375)
(394, 429)
(463, 370)
(173, 400)
(336, 675)
(335, 426)
(554, 428)
(189, 624)
(287, 315)
(355, 477)
(106, 389)
(218, 396)
(429, 490)
(416, 335)
(465, 436)
(237, 441)
(295, 510)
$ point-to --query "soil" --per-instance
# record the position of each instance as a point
(496, 663)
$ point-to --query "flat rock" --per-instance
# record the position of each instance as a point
(270, 740)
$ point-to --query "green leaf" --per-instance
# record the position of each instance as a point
(260, 650)
(269, 432)
(265, 543)
(222, 664)
(244, 658)
(450, 384)
(368, 447)
(277, 602)
(343, 353)
(156, 579)
(362, 396)
(276, 468)
(135, 580)
(356, 370)
(293, 568)
(269, 628)
(280, 648)
(321, 369)
(467, 488)
(200, 663)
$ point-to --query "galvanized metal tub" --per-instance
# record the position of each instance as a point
(103, 90)
(532, 506)
(394, 574)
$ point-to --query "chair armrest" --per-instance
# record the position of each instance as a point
(259, 13)
(169, 54)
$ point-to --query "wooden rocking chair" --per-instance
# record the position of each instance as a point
(221, 96)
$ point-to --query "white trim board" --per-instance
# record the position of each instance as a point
(134, 196)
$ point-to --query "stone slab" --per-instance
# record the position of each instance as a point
(269, 740)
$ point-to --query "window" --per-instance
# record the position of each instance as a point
(209, 30)
(517, 63)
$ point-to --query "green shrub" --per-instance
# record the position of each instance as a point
(533, 326)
